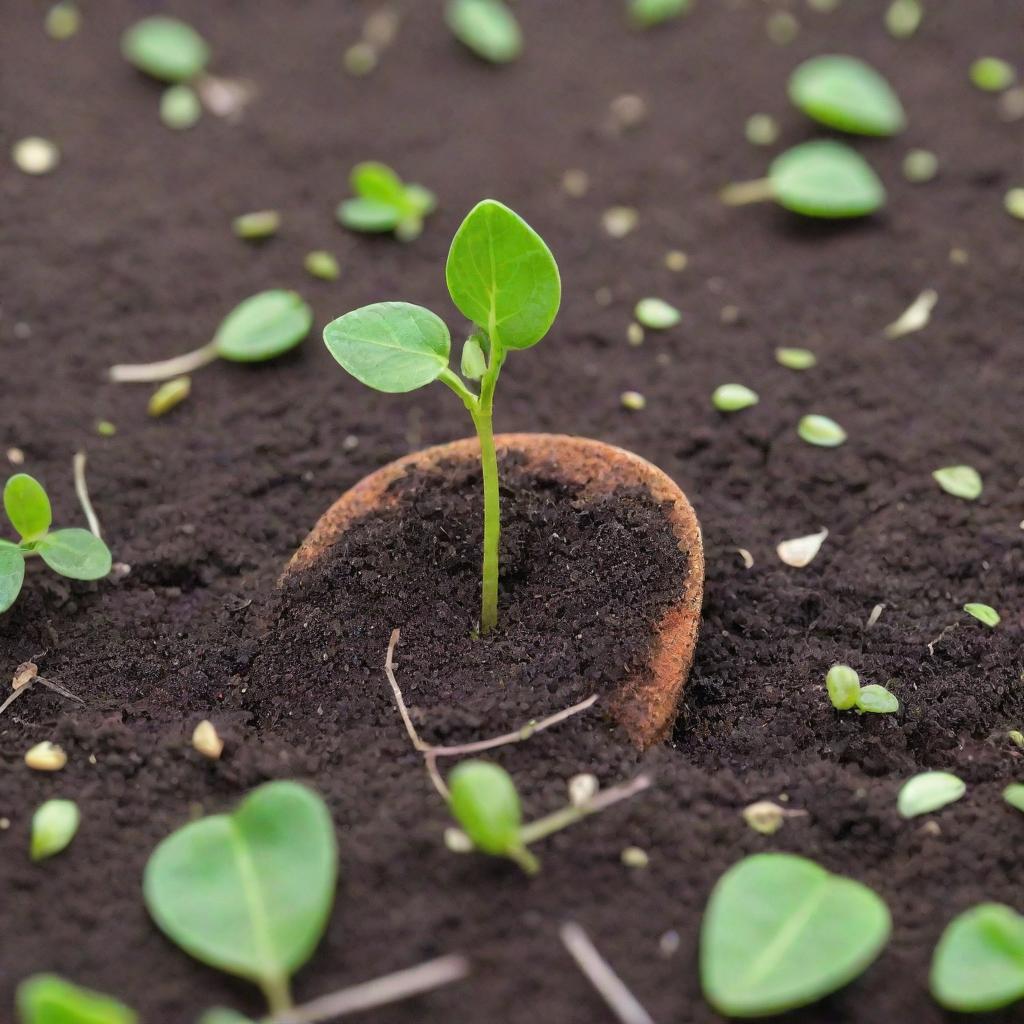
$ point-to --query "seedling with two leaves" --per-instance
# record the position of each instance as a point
(384, 203)
(846, 693)
(73, 552)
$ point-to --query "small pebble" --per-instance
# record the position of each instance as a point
(627, 111)
(1011, 104)
(619, 221)
(35, 155)
(15, 456)
(206, 740)
(634, 857)
(582, 788)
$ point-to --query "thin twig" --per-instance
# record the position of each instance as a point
(599, 973)
(49, 683)
(389, 669)
(566, 816)
(381, 991)
(82, 491)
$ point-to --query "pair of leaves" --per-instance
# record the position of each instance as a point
(487, 27)
(49, 999)
(781, 932)
(249, 892)
(165, 48)
(74, 553)
(500, 275)
(385, 203)
(847, 94)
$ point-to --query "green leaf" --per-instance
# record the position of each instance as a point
(646, 13)
(249, 892)
(165, 48)
(264, 326)
(845, 93)
(960, 481)
(979, 961)
(1014, 795)
(983, 613)
(733, 397)
(378, 183)
(27, 506)
(781, 932)
(54, 825)
(821, 431)
(370, 216)
(487, 27)
(390, 346)
(992, 74)
(843, 685)
(180, 107)
(75, 553)
(12, 574)
(927, 792)
(473, 364)
(503, 277)
(484, 801)
(877, 700)
(795, 358)
(656, 314)
(49, 999)
(825, 179)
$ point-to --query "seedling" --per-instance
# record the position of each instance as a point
(983, 613)
(503, 278)
(960, 481)
(733, 397)
(487, 27)
(821, 431)
(796, 358)
(262, 327)
(1014, 795)
(74, 553)
(54, 825)
(929, 791)
(49, 999)
(817, 179)
(979, 962)
(656, 314)
(846, 693)
(227, 888)
(384, 203)
(180, 107)
(647, 13)
(781, 932)
(902, 18)
(845, 93)
(992, 74)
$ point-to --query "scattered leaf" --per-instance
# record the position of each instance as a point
(992, 74)
(827, 179)
(801, 551)
(821, 431)
(903, 17)
(165, 48)
(484, 801)
(257, 225)
(960, 481)
(54, 825)
(1014, 795)
(322, 264)
(983, 613)
(75, 553)
(180, 107)
(796, 358)
(263, 326)
(49, 999)
(647, 13)
(845, 93)
(733, 397)
(487, 27)
(656, 314)
(915, 317)
(927, 792)
(843, 685)
(877, 700)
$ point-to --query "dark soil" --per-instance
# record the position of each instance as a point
(125, 252)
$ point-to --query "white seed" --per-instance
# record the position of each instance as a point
(619, 221)
(634, 857)
(1014, 203)
(381, 27)
(635, 334)
(915, 317)
(795, 358)
(801, 551)
(15, 456)
(821, 431)
(206, 740)
(35, 155)
(225, 97)
(669, 943)
(656, 314)
(733, 397)
(457, 841)
(748, 558)
(582, 789)
(46, 757)
(764, 817)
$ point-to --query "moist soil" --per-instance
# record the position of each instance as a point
(125, 252)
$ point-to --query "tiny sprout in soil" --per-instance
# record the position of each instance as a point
(257, 225)
(322, 264)
(74, 553)
(487, 27)
(733, 397)
(48, 999)
(846, 693)
(847, 94)
(262, 327)
(821, 178)
(647, 13)
(180, 107)
(781, 932)
(54, 825)
(63, 20)
(397, 347)
(983, 613)
(903, 17)
(656, 314)
(1014, 795)
(960, 481)
(384, 203)
(796, 358)
(821, 431)
(929, 791)
(992, 74)
(165, 48)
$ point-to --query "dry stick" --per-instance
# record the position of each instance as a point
(49, 683)
(599, 973)
(78, 465)
(381, 991)
(432, 753)
(560, 819)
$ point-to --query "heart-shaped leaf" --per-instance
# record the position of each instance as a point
(979, 961)
(845, 93)
(390, 346)
(263, 326)
(49, 999)
(12, 574)
(780, 932)
(503, 277)
(249, 892)
(27, 506)
(75, 553)
(825, 179)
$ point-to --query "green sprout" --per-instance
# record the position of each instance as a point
(487, 27)
(821, 431)
(256, 225)
(249, 893)
(903, 17)
(927, 792)
(992, 74)
(984, 613)
(49, 999)
(821, 178)
(796, 358)
(322, 264)
(846, 693)
(262, 327)
(978, 964)
(656, 314)
(847, 94)
(63, 20)
(1013, 794)
(781, 932)
(54, 825)
(74, 553)
(180, 107)
(503, 278)
(647, 13)
(960, 481)
(733, 397)
(384, 203)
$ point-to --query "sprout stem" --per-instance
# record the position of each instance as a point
(599, 973)
(78, 466)
(558, 820)
(141, 373)
(381, 991)
(277, 992)
(742, 192)
(483, 419)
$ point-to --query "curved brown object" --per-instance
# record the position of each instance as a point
(645, 704)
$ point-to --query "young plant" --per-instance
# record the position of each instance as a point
(817, 179)
(74, 553)
(960, 481)
(845, 693)
(781, 932)
(487, 27)
(929, 791)
(503, 278)
(262, 327)
(54, 825)
(49, 999)
(383, 203)
(249, 892)
(847, 94)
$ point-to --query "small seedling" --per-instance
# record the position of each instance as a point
(983, 613)
(54, 825)
(799, 552)
(49, 999)
(960, 481)
(821, 431)
(322, 264)
(35, 155)
(262, 327)
(180, 107)
(992, 74)
(781, 932)
(796, 358)
(1014, 795)
(384, 203)
(847, 94)
(846, 693)
(656, 314)
(733, 397)
(927, 792)
(503, 278)
(165, 48)
(228, 889)
(257, 225)
(647, 13)
(978, 964)
(74, 553)
(817, 179)
(487, 27)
